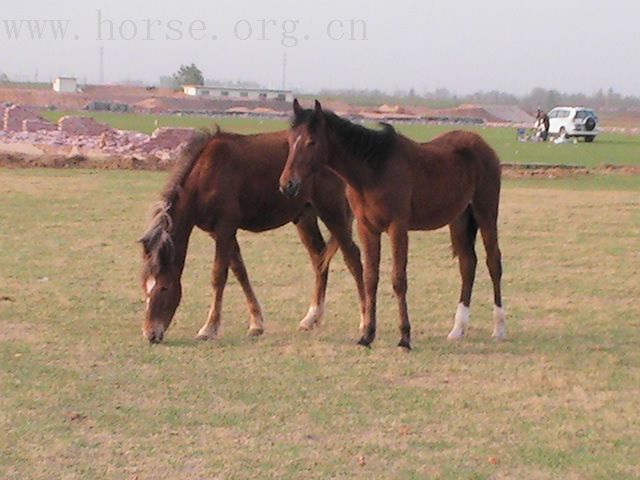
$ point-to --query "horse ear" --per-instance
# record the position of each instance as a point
(297, 109)
(318, 107)
(144, 241)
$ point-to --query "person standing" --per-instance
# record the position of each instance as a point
(542, 125)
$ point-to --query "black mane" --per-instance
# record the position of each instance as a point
(373, 146)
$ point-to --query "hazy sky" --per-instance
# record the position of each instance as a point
(463, 45)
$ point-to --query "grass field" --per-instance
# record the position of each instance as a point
(83, 396)
(609, 148)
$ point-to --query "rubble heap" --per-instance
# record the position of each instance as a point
(38, 125)
(82, 126)
(85, 136)
(14, 117)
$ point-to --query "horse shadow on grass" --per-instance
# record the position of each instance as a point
(478, 341)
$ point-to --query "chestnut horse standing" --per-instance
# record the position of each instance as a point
(225, 182)
(396, 185)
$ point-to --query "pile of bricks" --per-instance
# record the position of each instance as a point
(85, 126)
(168, 138)
(87, 136)
(38, 125)
(14, 117)
(118, 141)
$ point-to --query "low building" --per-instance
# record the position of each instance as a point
(65, 85)
(236, 93)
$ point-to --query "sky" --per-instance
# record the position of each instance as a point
(462, 45)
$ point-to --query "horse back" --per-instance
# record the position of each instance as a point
(446, 175)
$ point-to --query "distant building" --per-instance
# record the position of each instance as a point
(238, 93)
(65, 85)
(100, 106)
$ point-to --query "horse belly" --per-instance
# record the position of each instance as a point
(431, 214)
(270, 214)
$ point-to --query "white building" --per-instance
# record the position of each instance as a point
(65, 85)
(238, 93)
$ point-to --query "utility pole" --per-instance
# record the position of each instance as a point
(284, 71)
(101, 75)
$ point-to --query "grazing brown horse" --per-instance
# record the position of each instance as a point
(225, 182)
(396, 185)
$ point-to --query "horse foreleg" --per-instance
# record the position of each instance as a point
(371, 245)
(343, 234)
(399, 239)
(311, 238)
(256, 321)
(224, 251)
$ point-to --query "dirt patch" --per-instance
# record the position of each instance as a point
(131, 162)
(23, 160)
(562, 171)
(21, 332)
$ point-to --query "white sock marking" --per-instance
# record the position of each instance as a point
(499, 322)
(312, 317)
(460, 322)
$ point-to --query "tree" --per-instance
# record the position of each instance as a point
(4, 78)
(188, 75)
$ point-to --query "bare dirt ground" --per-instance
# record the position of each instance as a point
(27, 160)
(23, 160)
(157, 100)
(163, 100)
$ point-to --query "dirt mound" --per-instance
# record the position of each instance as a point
(152, 105)
(22, 160)
(152, 162)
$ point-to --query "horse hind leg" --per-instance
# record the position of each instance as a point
(487, 221)
(494, 264)
(311, 238)
(463, 232)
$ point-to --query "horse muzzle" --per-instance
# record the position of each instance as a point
(291, 188)
(154, 334)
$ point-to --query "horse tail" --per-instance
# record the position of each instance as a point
(329, 252)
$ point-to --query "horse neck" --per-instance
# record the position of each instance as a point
(183, 224)
(351, 169)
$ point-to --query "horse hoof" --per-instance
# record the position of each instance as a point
(455, 335)
(499, 335)
(365, 342)
(306, 326)
(204, 337)
(405, 345)
(255, 332)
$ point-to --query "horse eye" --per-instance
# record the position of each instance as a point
(311, 143)
(163, 288)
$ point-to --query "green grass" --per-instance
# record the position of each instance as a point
(609, 148)
(83, 396)
(148, 123)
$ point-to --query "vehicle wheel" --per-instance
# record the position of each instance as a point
(590, 124)
(589, 138)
